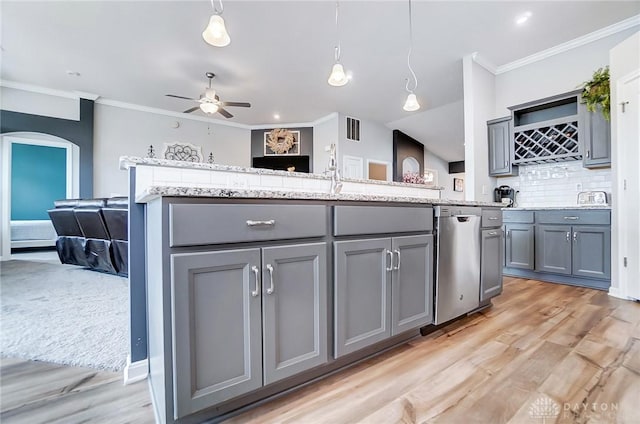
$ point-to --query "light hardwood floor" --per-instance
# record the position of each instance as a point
(543, 353)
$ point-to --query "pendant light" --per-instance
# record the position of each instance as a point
(216, 32)
(338, 78)
(411, 104)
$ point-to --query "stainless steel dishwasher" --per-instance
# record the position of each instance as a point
(457, 246)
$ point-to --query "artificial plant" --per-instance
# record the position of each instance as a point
(596, 92)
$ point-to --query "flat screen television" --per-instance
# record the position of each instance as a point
(282, 163)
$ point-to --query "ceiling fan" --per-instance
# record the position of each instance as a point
(210, 102)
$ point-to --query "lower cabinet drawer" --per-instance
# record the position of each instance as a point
(355, 220)
(574, 217)
(199, 224)
(491, 218)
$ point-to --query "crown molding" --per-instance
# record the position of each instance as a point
(485, 63)
(569, 45)
(158, 111)
(38, 89)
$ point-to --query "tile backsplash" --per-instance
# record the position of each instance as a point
(557, 184)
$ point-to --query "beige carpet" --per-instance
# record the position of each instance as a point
(63, 314)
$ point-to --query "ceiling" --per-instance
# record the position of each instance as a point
(281, 53)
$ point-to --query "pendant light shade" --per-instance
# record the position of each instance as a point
(337, 78)
(411, 104)
(216, 32)
(209, 108)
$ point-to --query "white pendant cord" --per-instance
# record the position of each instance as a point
(409, 54)
(215, 9)
(337, 49)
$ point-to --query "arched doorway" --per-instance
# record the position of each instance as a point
(36, 169)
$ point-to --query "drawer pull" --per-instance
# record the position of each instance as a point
(493, 218)
(493, 233)
(252, 223)
(572, 218)
(271, 289)
(256, 271)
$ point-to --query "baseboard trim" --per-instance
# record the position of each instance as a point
(616, 292)
(136, 371)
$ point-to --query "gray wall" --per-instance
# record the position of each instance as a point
(306, 142)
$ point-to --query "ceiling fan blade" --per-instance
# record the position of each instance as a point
(180, 97)
(192, 109)
(224, 113)
(236, 104)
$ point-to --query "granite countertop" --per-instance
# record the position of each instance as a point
(538, 208)
(127, 162)
(158, 191)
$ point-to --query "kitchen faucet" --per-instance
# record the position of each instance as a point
(336, 184)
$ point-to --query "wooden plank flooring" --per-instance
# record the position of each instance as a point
(543, 353)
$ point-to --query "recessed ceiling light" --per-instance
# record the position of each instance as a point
(524, 17)
(276, 116)
(73, 73)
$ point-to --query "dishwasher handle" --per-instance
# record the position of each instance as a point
(464, 218)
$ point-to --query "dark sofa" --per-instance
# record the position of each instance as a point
(92, 233)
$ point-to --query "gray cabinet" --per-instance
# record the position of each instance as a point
(519, 243)
(362, 293)
(294, 308)
(244, 319)
(411, 283)
(491, 264)
(217, 328)
(596, 139)
(553, 249)
(500, 146)
(383, 287)
(591, 251)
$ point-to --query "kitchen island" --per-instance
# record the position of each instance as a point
(254, 291)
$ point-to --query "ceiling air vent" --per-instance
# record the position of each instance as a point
(353, 129)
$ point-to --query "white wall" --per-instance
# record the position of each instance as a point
(39, 104)
(479, 104)
(376, 142)
(124, 132)
(325, 133)
(554, 75)
(431, 161)
(625, 221)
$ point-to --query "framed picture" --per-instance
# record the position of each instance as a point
(458, 184)
(281, 142)
(430, 177)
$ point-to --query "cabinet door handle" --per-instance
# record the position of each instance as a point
(271, 288)
(397, 252)
(572, 218)
(575, 236)
(390, 254)
(506, 163)
(508, 233)
(568, 235)
(252, 223)
(256, 271)
(588, 153)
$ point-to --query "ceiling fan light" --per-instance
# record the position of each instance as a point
(411, 104)
(337, 78)
(216, 32)
(209, 108)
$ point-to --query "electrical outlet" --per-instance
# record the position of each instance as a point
(579, 187)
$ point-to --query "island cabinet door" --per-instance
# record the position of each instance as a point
(553, 249)
(217, 327)
(412, 283)
(491, 264)
(294, 308)
(592, 251)
(362, 303)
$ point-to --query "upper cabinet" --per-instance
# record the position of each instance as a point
(500, 148)
(558, 128)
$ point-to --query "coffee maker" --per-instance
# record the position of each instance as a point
(505, 195)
